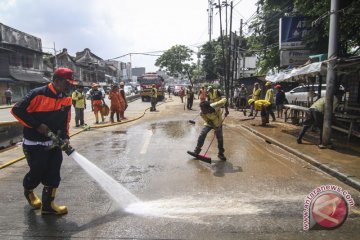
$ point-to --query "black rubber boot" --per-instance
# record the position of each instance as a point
(197, 150)
(48, 205)
(222, 157)
(32, 198)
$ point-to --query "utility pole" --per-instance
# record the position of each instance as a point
(210, 21)
(331, 74)
(226, 18)
(240, 42)
(229, 40)
(55, 57)
(222, 45)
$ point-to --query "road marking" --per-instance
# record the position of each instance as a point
(147, 142)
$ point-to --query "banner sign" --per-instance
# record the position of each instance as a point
(292, 32)
(293, 57)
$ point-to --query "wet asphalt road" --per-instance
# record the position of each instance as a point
(257, 194)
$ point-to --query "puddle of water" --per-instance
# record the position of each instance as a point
(118, 132)
(172, 129)
(116, 191)
(192, 207)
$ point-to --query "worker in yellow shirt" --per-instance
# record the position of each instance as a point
(79, 102)
(270, 98)
(211, 113)
(316, 117)
(214, 95)
(255, 96)
(263, 107)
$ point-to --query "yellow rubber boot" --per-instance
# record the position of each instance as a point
(32, 198)
(49, 206)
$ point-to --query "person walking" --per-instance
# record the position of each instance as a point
(189, 97)
(182, 94)
(202, 94)
(78, 98)
(8, 96)
(255, 96)
(115, 104)
(242, 99)
(316, 118)
(211, 113)
(97, 102)
(123, 101)
(279, 100)
(169, 91)
(236, 97)
(154, 96)
(39, 119)
(270, 98)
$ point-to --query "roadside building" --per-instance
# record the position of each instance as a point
(21, 62)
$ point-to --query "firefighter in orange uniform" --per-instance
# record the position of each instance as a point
(97, 102)
(116, 103)
(45, 109)
(124, 103)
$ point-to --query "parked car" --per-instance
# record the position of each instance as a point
(303, 93)
(128, 89)
(101, 89)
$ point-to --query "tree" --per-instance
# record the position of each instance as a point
(176, 61)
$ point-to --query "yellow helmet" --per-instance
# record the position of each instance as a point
(251, 101)
(268, 84)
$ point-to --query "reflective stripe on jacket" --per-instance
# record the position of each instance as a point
(43, 105)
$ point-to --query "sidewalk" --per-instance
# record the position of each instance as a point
(342, 162)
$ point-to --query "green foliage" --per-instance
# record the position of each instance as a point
(348, 25)
(265, 35)
(175, 60)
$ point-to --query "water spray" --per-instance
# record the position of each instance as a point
(116, 191)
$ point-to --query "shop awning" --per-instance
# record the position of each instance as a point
(8, 80)
(313, 68)
(28, 76)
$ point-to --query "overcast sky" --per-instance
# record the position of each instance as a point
(112, 28)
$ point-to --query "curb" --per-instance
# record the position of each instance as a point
(343, 177)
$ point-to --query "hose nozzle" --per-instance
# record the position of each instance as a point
(61, 143)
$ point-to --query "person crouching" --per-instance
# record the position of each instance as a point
(262, 106)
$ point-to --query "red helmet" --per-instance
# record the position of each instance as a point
(65, 73)
(278, 86)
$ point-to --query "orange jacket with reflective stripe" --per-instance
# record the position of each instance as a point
(44, 105)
